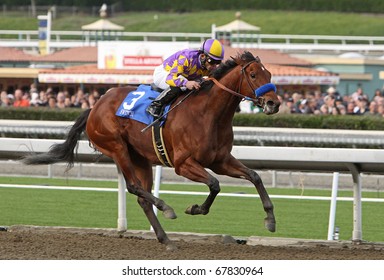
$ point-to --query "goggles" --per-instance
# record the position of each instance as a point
(212, 61)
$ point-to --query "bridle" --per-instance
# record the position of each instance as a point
(259, 92)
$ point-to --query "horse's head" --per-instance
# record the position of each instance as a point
(255, 83)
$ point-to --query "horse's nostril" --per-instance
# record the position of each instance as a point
(270, 103)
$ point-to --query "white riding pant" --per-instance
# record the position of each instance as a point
(160, 75)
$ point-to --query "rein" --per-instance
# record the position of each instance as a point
(220, 85)
(259, 92)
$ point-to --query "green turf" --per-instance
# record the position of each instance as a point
(181, 187)
(237, 216)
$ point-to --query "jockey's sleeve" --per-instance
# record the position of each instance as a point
(178, 68)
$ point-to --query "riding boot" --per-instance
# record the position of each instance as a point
(166, 97)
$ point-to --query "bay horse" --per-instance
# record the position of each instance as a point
(198, 134)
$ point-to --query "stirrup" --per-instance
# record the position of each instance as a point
(154, 110)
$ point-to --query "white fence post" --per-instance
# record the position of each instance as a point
(332, 211)
(156, 189)
(122, 202)
(357, 233)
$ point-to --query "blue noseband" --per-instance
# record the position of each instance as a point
(264, 89)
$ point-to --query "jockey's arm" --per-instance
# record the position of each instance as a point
(177, 73)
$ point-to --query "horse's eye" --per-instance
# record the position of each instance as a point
(253, 75)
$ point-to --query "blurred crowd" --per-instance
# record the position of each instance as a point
(48, 98)
(329, 103)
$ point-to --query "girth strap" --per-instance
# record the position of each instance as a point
(159, 146)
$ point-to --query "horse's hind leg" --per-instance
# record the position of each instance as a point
(131, 170)
(160, 233)
(234, 168)
(144, 172)
(135, 173)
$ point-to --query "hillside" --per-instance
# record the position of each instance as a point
(271, 22)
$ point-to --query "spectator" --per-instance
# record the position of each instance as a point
(310, 106)
(52, 102)
(91, 100)
(73, 100)
(78, 98)
(338, 104)
(96, 94)
(324, 110)
(5, 100)
(284, 108)
(351, 107)
(60, 100)
(303, 106)
(286, 95)
(338, 100)
(11, 99)
(358, 93)
(380, 110)
(331, 91)
(318, 99)
(380, 103)
(361, 106)
(67, 102)
(20, 99)
(372, 108)
(339, 110)
(85, 104)
(3, 94)
(377, 95)
(33, 88)
(329, 100)
(43, 99)
(34, 99)
(291, 105)
(297, 97)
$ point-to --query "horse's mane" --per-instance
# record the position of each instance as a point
(229, 64)
(246, 57)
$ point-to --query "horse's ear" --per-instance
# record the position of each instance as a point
(236, 59)
(248, 56)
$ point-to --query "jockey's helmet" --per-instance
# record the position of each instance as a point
(213, 48)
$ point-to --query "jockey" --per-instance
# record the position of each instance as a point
(183, 70)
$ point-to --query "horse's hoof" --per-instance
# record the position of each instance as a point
(171, 247)
(196, 210)
(170, 214)
(270, 225)
(193, 210)
(189, 210)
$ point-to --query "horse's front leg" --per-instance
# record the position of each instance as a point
(194, 171)
(234, 168)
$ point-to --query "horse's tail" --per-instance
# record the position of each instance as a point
(63, 152)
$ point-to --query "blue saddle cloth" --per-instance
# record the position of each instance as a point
(135, 104)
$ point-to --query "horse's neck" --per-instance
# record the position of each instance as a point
(222, 103)
(220, 106)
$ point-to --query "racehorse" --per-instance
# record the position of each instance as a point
(197, 134)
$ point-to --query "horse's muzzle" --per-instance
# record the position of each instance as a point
(271, 107)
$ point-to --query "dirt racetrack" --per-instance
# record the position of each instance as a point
(39, 243)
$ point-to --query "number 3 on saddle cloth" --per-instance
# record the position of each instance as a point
(134, 107)
(135, 104)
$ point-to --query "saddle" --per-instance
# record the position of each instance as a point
(156, 88)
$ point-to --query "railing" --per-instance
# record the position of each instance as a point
(288, 42)
(8, 37)
(258, 136)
